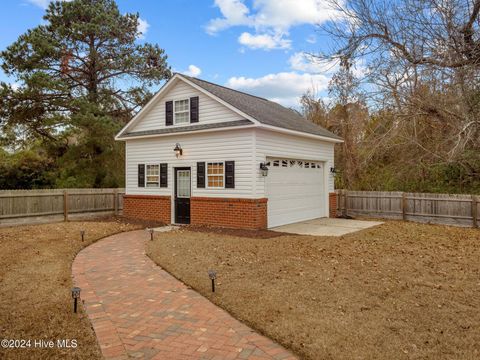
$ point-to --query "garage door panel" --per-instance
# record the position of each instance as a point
(295, 193)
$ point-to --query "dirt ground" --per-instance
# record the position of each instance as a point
(397, 291)
(35, 287)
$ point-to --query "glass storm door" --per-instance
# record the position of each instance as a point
(182, 195)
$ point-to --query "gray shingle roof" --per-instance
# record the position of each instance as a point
(265, 111)
(172, 130)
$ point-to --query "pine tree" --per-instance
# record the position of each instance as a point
(82, 75)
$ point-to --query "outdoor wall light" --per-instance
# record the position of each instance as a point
(75, 295)
(151, 233)
(82, 234)
(263, 169)
(178, 150)
(212, 274)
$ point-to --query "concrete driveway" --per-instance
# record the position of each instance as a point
(326, 227)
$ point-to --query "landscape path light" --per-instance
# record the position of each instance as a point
(212, 274)
(82, 234)
(75, 295)
(151, 233)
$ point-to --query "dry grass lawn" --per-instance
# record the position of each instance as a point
(35, 284)
(397, 291)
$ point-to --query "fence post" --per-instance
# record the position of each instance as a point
(474, 211)
(346, 203)
(65, 205)
(115, 202)
(404, 206)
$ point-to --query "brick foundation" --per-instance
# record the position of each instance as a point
(147, 207)
(229, 212)
(332, 204)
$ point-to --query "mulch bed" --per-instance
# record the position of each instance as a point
(252, 234)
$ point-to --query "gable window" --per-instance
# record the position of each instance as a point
(153, 175)
(181, 112)
(215, 175)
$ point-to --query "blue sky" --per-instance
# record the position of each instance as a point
(255, 46)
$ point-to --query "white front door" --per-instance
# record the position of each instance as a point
(295, 191)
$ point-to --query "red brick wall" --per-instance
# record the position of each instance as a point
(147, 207)
(332, 201)
(229, 212)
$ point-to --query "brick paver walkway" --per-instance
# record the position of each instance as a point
(140, 311)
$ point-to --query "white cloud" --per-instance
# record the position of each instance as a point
(234, 12)
(192, 71)
(265, 41)
(271, 16)
(285, 88)
(142, 28)
(307, 63)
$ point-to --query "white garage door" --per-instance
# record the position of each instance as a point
(295, 190)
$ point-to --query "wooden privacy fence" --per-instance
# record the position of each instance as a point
(460, 210)
(32, 203)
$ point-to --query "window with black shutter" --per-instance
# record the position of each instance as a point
(229, 174)
(169, 113)
(194, 109)
(200, 174)
(164, 175)
(141, 175)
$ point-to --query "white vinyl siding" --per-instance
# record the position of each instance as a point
(210, 110)
(220, 146)
(277, 145)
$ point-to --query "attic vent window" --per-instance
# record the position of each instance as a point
(182, 111)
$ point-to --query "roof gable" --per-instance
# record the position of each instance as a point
(214, 113)
(257, 110)
(263, 110)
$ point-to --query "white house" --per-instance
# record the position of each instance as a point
(205, 154)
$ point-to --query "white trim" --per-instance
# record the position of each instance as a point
(278, 156)
(326, 185)
(264, 127)
(188, 132)
(206, 175)
(299, 133)
(185, 111)
(146, 166)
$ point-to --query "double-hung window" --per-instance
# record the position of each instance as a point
(153, 175)
(181, 112)
(215, 175)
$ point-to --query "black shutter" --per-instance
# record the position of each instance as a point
(229, 174)
(194, 109)
(169, 113)
(141, 175)
(163, 175)
(200, 174)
